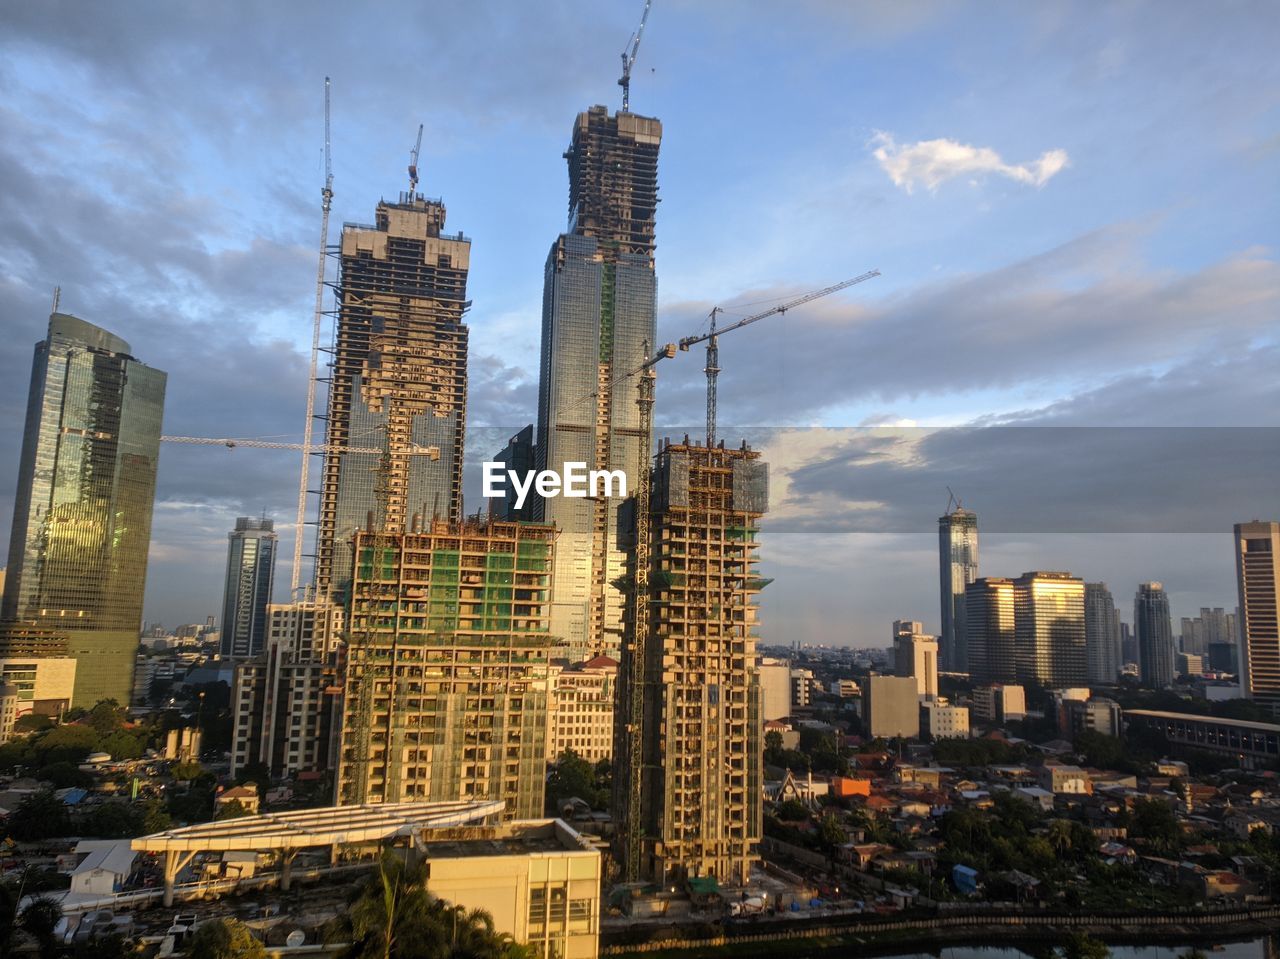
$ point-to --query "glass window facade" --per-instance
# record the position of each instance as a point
(86, 489)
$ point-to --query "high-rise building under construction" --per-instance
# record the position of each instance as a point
(446, 666)
(399, 380)
(597, 315)
(688, 801)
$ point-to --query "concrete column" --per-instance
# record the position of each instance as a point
(286, 868)
(174, 862)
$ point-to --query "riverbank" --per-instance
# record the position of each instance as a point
(880, 936)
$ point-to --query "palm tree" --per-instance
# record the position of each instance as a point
(1060, 835)
(39, 919)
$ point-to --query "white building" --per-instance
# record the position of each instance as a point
(916, 655)
(775, 688)
(104, 866)
(999, 703)
(44, 683)
(580, 710)
(944, 721)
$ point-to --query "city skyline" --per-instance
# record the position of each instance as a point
(974, 241)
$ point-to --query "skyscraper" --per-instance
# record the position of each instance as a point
(447, 666)
(916, 655)
(1101, 633)
(957, 567)
(251, 566)
(1258, 578)
(399, 380)
(699, 765)
(1049, 629)
(598, 312)
(82, 513)
(1154, 632)
(989, 624)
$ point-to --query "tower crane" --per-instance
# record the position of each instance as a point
(413, 164)
(629, 57)
(712, 339)
(640, 616)
(326, 201)
(230, 443)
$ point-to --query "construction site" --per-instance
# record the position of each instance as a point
(446, 666)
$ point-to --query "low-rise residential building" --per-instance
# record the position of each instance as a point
(1060, 778)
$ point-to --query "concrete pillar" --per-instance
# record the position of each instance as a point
(174, 862)
(334, 854)
(286, 868)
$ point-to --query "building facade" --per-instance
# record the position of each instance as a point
(945, 721)
(447, 669)
(1049, 629)
(891, 707)
(251, 567)
(999, 703)
(992, 638)
(700, 750)
(399, 382)
(916, 655)
(1101, 633)
(958, 567)
(1257, 549)
(85, 492)
(581, 710)
(1154, 631)
(775, 688)
(285, 702)
(598, 312)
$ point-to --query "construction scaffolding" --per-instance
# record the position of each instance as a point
(447, 665)
(700, 789)
(399, 373)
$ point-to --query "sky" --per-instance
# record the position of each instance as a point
(1073, 208)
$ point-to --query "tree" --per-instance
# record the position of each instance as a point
(225, 939)
(1154, 820)
(33, 723)
(832, 833)
(106, 717)
(114, 820)
(154, 817)
(1080, 946)
(39, 920)
(574, 776)
(185, 771)
(792, 810)
(121, 745)
(231, 810)
(8, 915)
(67, 743)
(40, 816)
(1060, 836)
(258, 773)
(65, 775)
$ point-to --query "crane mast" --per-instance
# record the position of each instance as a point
(712, 338)
(636, 678)
(629, 57)
(326, 201)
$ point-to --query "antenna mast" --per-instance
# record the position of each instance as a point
(326, 201)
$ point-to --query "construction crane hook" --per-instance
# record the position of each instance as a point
(629, 57)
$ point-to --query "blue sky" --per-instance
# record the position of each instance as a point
(1074, 207)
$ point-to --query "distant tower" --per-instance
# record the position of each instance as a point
(598, 311)
(82, 513)
(957, 567)
(1257, 578)
(1049, 629)
(1101, 633)
(916, 655)
(399, 379)
(989, 623)
(1154, 631)
(251, 564)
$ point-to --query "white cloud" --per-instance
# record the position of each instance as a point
(933, 162)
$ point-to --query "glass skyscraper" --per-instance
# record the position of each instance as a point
(1102, 633)
(1154, 630)
(598, 311)
(1257, 548)
(251, 565)
(1048, 612)
(82, 513)
(957, 568)
(399, 381)
(989, 625)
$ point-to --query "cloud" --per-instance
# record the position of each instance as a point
(933, 162)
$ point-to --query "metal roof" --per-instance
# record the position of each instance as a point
(306, 828)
